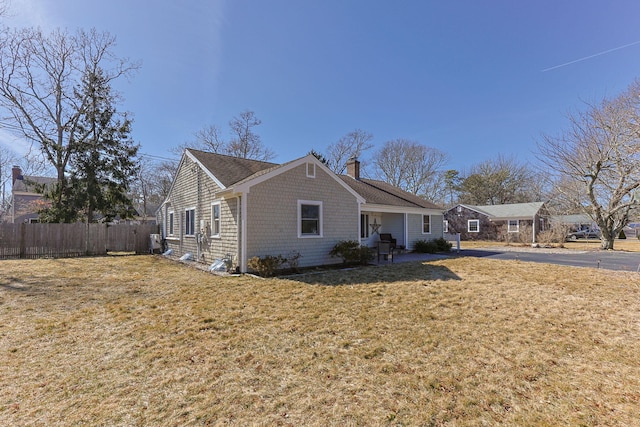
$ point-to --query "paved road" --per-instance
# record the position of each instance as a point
(609, 260)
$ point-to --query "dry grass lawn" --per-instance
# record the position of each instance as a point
(143, 341)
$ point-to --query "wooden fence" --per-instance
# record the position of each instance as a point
(72, 240)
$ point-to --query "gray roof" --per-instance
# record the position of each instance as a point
(382, 193)
(230, 170)
(29, 184)
(509, 211)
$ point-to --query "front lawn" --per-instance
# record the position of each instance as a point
(463, 342)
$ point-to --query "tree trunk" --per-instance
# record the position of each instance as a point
(607, 243)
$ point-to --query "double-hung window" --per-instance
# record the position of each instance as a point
(309, 218)
(170, 230)
(473, 225)
(426, 224)
(513, 226)
(215, 219)
(190, 222)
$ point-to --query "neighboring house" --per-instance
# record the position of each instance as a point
(25, 200)
(221, 205)
(575, 222)
(490, 222)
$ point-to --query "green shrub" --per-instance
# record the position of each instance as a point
(432, 246)
(352, 252)
(267, 265)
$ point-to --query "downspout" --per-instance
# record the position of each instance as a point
(243, 236)
(238, 232)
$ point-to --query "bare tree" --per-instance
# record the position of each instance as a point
(152, 184)
(40, 75)
(413, 167)
(8, 158)
(245, 143)
(207, 139)
(596, 162)
(352, 145)
(499, 181)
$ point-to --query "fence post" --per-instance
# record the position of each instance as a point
(23, 240)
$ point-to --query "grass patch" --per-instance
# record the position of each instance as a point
(465, 342)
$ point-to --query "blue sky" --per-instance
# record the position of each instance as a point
(474, 79)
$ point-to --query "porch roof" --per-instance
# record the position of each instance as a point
(380, 193)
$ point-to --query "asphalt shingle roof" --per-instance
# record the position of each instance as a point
(228, 169)
(380, 193)
(512, 210)
(29, 183)
(233, 170)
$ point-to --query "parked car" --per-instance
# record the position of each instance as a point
(584, 234)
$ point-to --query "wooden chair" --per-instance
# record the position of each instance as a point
(386, 250)
(386, 237)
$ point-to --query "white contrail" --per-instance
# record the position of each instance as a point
(590, 56)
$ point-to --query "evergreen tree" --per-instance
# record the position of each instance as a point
(105, 163)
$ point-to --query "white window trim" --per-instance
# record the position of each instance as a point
(476, 221)
(517, 228)
(194, 221)
(445, 226)
(171, 226)
(426, 232)
(311, 170)
(213, 220)
(320, 225)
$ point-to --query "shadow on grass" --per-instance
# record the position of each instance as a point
(13, 284)
(390, 273)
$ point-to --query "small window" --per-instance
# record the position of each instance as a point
(445, 226)
(309, 219)
(190, 222)
(426, 224)
(364, 226)
(473, 225)
(170, 230)
(513, 226)
(311, 170)
(215, 219)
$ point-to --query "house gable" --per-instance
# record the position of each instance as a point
(267, 174)
(273, 216)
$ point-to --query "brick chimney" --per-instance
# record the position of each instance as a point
(16, 173)
(353, 168)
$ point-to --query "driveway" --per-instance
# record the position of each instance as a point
(609, 260)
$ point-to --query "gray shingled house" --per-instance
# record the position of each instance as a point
(491, 222)
(26, 201)
(220, 205)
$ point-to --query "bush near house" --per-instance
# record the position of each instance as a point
(269, 265)
(352, 252)
(432, 246)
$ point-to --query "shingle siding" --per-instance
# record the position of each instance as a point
(272, 216)
(192, 188)
(414, 228)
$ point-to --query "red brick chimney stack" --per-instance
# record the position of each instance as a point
(353, 168)
(16, 173)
